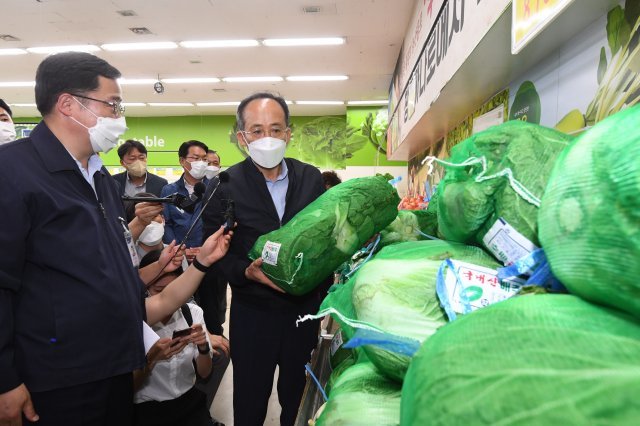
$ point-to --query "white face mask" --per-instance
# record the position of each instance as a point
(152, 234)
(211, 171)
(7, 132)
(104, 135)
(198, 169)
(267, 152)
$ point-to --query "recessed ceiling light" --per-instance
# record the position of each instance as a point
(134, 104)
(191, 80)
(206, 104)
(251, 79)
(381, 102)
(17, 83)
(132, 81)
(169, 104)
(317, 78)
(140, 46)
(218, 43)
(6, 52)
(24, 105)
(57, 49)
(324, 41)
(319, 102)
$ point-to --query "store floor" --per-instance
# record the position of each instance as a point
(222, 407)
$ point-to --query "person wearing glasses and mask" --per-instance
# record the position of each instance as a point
(193, 159)
(136, 178)
(268, 190)
(7, 128)
(71, 299)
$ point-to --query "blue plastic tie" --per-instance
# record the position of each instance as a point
(315, 379)
(387, 341)
(395, 180)
(371, 251)
(524, 265)
(431, 237)
(441, 291)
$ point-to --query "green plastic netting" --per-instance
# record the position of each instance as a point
(326, 233)
(410, 225)
(500, 172)
(543, 360)
(396, 293)
(362, 396)
(590, 214)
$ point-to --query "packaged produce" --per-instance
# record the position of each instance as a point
(362, 396)
(306, 250)
(535, 359)
(498, 173)
(590, 214)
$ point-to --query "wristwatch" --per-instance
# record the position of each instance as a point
(203, 351)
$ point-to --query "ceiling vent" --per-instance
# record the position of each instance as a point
(328, 9)
(140, 30)
(312, 9)
(217, 90)
(126, 13)
(8, 37)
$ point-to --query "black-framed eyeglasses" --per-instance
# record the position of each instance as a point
(118, 108)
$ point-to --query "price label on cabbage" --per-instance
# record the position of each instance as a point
(470, 287)
(507, 244)
(336, 342)
(270, 253)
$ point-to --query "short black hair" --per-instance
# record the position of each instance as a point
(128, 145)
(331, 178)
(4, 106)
(69, 72)
(183, 151)
(260, 95)
(211, 151)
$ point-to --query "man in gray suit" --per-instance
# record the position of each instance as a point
(136, 179)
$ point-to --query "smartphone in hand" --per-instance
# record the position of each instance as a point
(181, 333)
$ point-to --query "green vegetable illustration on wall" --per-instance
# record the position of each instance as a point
(618, 77)
(526, 104)
(375, 129)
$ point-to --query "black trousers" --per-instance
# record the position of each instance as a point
(188, 409)
(260, 340)
(105, 402)
(211, 296)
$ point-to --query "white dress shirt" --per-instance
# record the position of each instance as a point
(172, 377)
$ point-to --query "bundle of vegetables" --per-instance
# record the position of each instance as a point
(410, 225)
(362, 396)
(590, 214)
(395, 292)
(498, 173)
(301, 254)
(356, 355)
(537, 359)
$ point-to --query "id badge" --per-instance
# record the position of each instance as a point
(128, 238)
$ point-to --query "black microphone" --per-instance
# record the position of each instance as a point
(189, 204)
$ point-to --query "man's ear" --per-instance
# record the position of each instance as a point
(240, 137)
(65, 104)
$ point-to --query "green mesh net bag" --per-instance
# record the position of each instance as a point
(410, 225)
(590, 214)
(498, 173)
(543, 360)
(395, 293)
(362, 396)
(305, 251)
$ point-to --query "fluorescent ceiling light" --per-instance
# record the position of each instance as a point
(251, 79)
(382, 102)
(218, 43)
(169, 104)
(24, 105)
(191, 80)
(324, 41)
(134, 104)
(7, 52)
(57, 49)
(206, 104)
(317, 78)
(319, 103)
(133, 81)
(17, 83)
(140, 46)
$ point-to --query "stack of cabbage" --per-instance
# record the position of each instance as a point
(590, 214)
(477, 192)
(326, 233)
(410, 225)
(543, 359)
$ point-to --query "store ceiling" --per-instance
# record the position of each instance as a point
(374, 31)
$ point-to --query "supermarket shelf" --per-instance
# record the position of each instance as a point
(490, 68)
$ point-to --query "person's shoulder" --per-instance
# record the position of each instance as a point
(119, 176)
(302, 167)
(152, 177)
(13, 154)
(195, 309)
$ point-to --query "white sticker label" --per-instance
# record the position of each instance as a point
(507, 244)
(336, 342)
(270, 253)
(479, 285)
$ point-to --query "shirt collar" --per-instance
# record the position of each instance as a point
(284, 171)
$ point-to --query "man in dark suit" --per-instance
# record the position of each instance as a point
(136, 178)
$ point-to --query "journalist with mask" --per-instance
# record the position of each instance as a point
(7, 128)
(136, 178)
(267, 190)
(71, 300)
